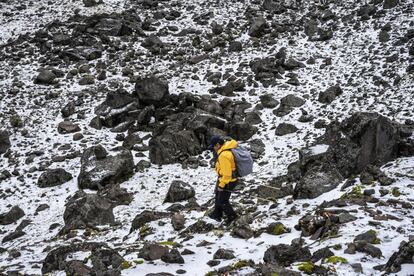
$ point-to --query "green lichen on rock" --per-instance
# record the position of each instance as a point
(307, 267)
(210, 273)
(275, 274)
(169, 243)
(355, 193)
(395, 192)
(16, 121)
(125, 265)
(138, 262)
(336, 259)
(145, 230)
(377, 240)
(240, 264)
(279, 229)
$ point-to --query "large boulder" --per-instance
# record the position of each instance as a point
(242, 130)
(179, 191)
(105, 261)
(404, 255)
(98, 172)
(53, 177)
(4, 141)
(173, 146)
(152, 91)
(13, 215)
(87, 210)
(361, 140)
(317, 181)
(116, 108)
(346, 149)
(284, 255)
(285, 128)
(287, 104)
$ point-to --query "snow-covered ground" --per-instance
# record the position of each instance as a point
(357, 64)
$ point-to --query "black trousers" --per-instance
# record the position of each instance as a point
(222, 205)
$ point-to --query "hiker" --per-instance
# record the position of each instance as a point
(226, 170)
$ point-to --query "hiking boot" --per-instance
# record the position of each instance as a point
(214, 217)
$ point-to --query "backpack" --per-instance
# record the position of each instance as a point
(243, 160)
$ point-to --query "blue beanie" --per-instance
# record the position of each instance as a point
(214, 140)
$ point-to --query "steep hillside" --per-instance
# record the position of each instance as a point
(106, 110)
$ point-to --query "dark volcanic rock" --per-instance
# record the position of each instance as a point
(363, 139)
(13, 215)
(145, 217)
(173, 145)
(96, 173)
(45, 77)
(12, 236)
(178, 221)
(173, 257)
(152, 91)
(116, 109)
(389, 4)
(224, 254)
(258, 27)
(87, 210)
(153, 251)
(330, 94)
(68, 127)
(284, 255)
(268, 101)
(90, 3)
(179, 191)
(404, 255)
(68, 109)
(4, 141)
(242, 130)
(104, 259)
(53, 177)
(316, 181)
(284, 128)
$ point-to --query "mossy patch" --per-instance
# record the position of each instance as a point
(145, 230)
(395, 192)
(336, 259)
(169, 243)
(279, 229)
(125, 265)
(240, 264)
(307, 267)
(16, 121)
(355, 193)
(138, 262)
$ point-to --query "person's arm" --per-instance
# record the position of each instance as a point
(225, 170)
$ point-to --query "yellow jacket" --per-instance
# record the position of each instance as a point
(225, 165)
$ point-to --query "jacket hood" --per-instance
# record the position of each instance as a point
(232, 144)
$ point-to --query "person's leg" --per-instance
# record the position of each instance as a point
(218, 210)
(226, 206)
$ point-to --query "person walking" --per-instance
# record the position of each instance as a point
(226, 171)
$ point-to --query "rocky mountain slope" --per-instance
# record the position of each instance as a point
(107, 108)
